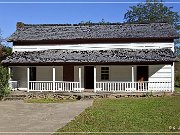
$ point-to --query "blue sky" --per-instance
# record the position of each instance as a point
(11, 13)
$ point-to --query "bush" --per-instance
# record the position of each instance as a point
(4, 85)
(177, 79)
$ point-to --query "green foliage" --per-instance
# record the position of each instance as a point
(177, 79)
(4, 85)
(153, 114)
(102, 22)
(20, 25)
(177, 50)
(4, 50)
(7, 50)
(86, 23)
(177, 89)
(177, 68)
(151, 12)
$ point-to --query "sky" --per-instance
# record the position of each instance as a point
(58, 13)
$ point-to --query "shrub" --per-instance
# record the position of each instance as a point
(4, 85)
(177, 79)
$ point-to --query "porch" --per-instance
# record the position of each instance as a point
(118, 78)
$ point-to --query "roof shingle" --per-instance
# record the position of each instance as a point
(38, 32)
(92, 56)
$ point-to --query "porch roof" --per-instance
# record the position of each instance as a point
(88, 57)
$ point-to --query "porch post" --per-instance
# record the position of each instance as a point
(132, 71)
(9, 71)
(80, 77)
(94, 78)
(132, 75)
(54, 78)
(172, 77)
(27, 79)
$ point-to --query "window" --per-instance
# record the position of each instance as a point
(105, 73)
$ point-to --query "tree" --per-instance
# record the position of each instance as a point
(4, 85)
(153, 11)
(4, 75)
(102, 22)
(4, 50)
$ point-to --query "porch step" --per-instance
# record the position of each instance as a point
(88, 90)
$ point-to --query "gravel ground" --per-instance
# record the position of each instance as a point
(17, 116)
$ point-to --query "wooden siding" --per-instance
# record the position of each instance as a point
(97, 46)
(159, 72)
(45, 73)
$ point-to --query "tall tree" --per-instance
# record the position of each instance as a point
(152, 11)
(4, 50)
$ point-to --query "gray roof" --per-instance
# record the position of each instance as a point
(91, 56)
(38, 32)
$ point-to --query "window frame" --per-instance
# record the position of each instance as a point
(105, 73)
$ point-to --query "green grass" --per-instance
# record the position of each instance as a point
(47, 100)
(177, 89)
(153, 114)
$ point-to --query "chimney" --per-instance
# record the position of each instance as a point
(19, 25)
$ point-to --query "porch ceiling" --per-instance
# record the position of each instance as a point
(119, 56)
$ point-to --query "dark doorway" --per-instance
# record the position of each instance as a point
(68, 73)
(32, 74)
(89, 77)
(142, 73)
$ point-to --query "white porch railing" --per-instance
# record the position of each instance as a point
(133, 86)
(54, 86)
(67, 86)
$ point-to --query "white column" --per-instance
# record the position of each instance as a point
(172, 77)
(172, 73)
(80, 77)
(9, 71)
(27, 79)
(94, 78)
(54, 78)
(132, 71)
(132, 75)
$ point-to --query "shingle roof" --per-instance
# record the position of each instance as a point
(37, 32)
(92, 56)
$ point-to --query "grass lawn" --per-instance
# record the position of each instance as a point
(177, 89)
(47, 100)
(153, 114)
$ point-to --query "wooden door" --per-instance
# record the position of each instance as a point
(32, 73)
(89, 77)
(68, 73)
(142, 73)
